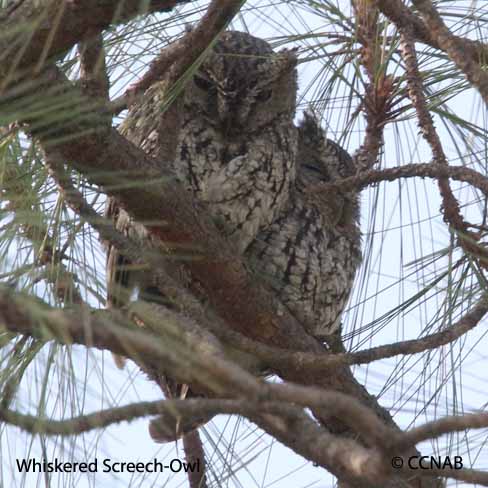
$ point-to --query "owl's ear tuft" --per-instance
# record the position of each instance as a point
(285, 61)
(310, 131)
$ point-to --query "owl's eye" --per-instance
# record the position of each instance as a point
(318, 171)
(264, 96)
(203, 83)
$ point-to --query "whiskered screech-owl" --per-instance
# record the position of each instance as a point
(236, 144)
(229, 137)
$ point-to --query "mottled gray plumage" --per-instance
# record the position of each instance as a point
(229, 137)
(311, 252)
(236, 143)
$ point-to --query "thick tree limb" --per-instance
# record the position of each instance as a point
(39, 30)
(28, 316)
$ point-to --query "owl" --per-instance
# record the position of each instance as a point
(229, 137)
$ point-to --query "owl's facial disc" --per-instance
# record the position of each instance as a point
(246, 84)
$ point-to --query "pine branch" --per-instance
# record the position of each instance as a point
(37, 31)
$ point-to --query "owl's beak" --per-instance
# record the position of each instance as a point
(229, 110)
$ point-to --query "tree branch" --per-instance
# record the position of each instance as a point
(40, 30)
(104, 418)
(31, 317)
(450, 206)
(403, 17)
(326, 363)
(175, 60)
(421, 170)
(436, 428)
(455, 47)
(452, 215)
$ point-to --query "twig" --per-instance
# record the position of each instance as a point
(466, 323)
(110, 416)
